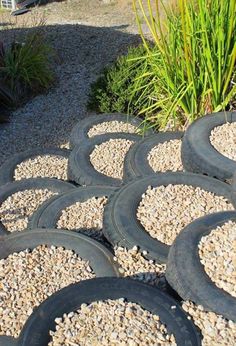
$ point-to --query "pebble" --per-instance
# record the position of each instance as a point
(111, 127)
(111, 323)
(27, 278)
(87, 215)
(223, 139)
(108, 157)
(165, 210)
(17, 208)
(51, 166)
(216, 330)
(166, 156)
(133, 264)
(217, 252)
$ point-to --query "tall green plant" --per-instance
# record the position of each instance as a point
(27, 65)
(198, 55)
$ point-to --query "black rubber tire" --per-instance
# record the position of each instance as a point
(101, 260)
(199, 156)
(2, 229)
(80, 131)
(36, 329)
(47, 215)
(54, 185)
(8, 168)
(136, 162)
(186, 274)
(80, 169)
(8, 341)
(121, 226)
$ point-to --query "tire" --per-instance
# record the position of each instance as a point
(100, 258)
(54, 185)
(36, 329)
(186, 274)
(8, 341)
(48, 214)
(80, 169)
(136, 162)
(2, 230)
(199, 156)
(121, 226)
(8, 168)
(80, 131)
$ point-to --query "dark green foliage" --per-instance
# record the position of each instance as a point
(119, 88)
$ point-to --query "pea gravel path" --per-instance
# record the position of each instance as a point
(83, 49)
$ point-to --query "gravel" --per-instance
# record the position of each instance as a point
(47, 119)
(217, 252)
(86, 215)
(17, 208)
(27, 278)
(223, 139)
(51, 166)
(166, 156)
(110, 322)
(133, 264)
(165, 210)
(216, 330)
(111, 127)
(108, 157)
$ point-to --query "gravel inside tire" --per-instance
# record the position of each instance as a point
(218, 256)
(121, 226)
(151, 299)
(83, 325)
(53, 185)
(186, 274)
(98, 257)
(81, 129)
(199, 155)
(7, 170)
(49, 213)
(81, 170)
(222, 138)
(136, 160)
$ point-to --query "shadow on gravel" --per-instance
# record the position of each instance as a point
(81, 53)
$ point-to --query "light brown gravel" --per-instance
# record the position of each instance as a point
(27, 278)
(51, 166)
(216, 330)
(166, 156)
(133, 264)
(16, 209)
(111, 127)
(110, 323)
(84, 215)
(108, 157)
(223, 139)
(217, 252)
(165, 210)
